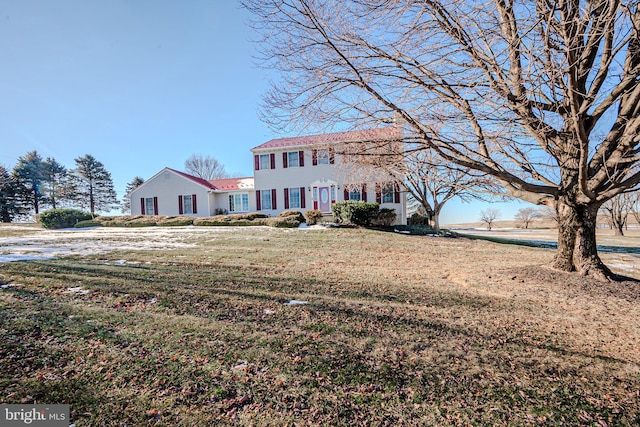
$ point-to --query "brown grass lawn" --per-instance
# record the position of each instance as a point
(398, 330)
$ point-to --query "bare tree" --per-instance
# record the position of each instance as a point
(489, 216)
(432, 181)
(527, 215)
(617, 211)
(543, 96)
(635, 207)
(205, 167)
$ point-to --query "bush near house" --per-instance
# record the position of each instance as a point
(313, 216)
(385, 217)
(176, 221)
(253, 218)
(286, 219)
(62, 218)
(353, 212)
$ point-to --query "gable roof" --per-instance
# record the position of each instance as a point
(195, 179)
(231, 184)
(331, 138)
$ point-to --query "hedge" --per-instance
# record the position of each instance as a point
(62, 218)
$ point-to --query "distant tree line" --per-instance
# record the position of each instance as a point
(36, 184)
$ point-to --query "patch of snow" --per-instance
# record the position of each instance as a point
(9, 285)
(296, 302)
(76, 290)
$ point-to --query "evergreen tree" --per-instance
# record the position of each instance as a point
(8, 206)
(27, 176)
(92, 185)
(126, 200)
(54, 177)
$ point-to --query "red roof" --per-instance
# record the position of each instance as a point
(332, 138)
(223, 184)
(200, 181)
(227, 184)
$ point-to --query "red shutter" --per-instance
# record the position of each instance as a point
(286, 198)
(364, 192)
(273, 199)
(155, 206)
(142, 205)
(194, 203)
(378, 193)
(301, 158)
(346, 193)
(258, 203)
(285, 160)
(180, 210)
(273, 160)
(332, 156)
(256, 162)
(396, 192)
(303, 204)
(315, 204)
(314, 157)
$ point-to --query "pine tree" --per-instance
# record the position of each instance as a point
(92, 185)
(9, 209)
(27, 176)
(53, 177)
(126, 200)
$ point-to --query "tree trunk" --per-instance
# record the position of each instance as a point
(577, 248)
(618, 229)
(436, 216)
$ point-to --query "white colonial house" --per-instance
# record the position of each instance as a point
(298, 173)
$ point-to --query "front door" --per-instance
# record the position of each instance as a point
(325, 199)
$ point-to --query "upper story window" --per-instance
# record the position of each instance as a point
(293, 159)
(265, 161)
(323, 157)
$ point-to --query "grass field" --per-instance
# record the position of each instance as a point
(397, 330)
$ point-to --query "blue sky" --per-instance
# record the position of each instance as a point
(139, 85)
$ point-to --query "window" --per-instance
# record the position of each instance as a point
(265, 199)
(293, 159)
(355, 194)
(294, 198)
(387, 193)
(265, 161)
(323, 157)
(239, 202)
(149, 206)
(187, 205)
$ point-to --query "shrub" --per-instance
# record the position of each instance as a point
(62, 218)
(417, 219)
(297, 215)
(385, 217)
(253, 218)
(353, 212)
(176, 221)
(88, 223)
(284, 221)
(313, 216)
